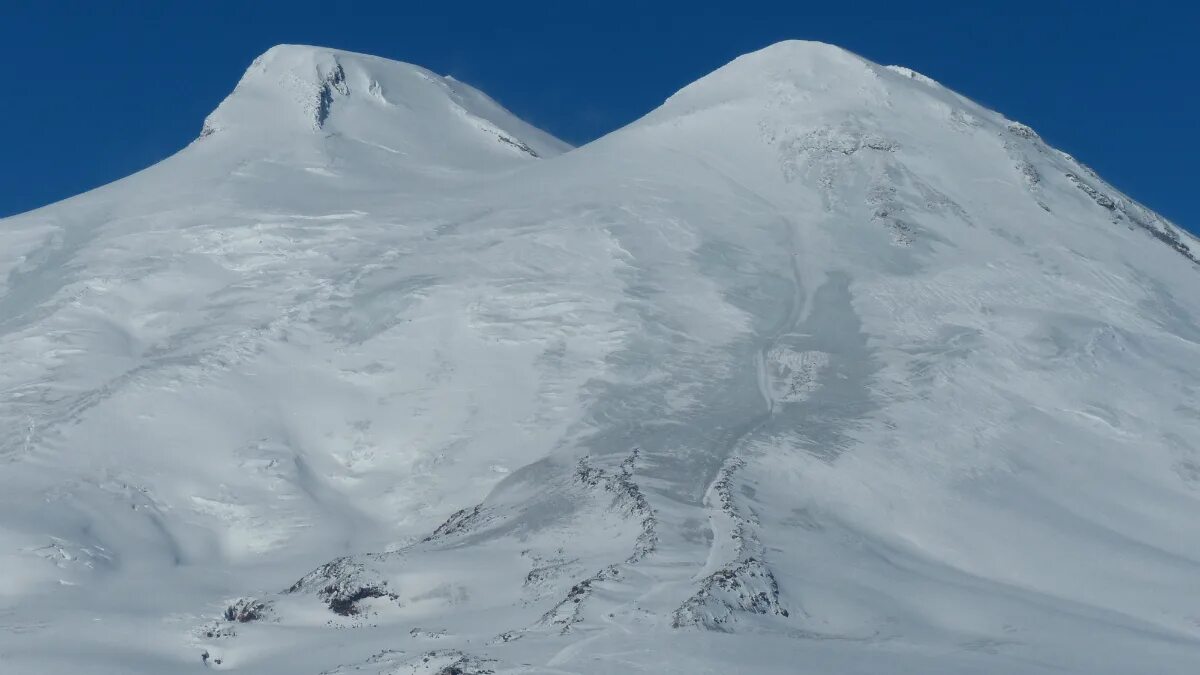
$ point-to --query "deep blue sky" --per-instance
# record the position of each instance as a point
(94, 91)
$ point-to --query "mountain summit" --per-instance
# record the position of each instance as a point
(818, 367)
(396, 107)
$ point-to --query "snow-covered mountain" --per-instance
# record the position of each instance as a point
(819, 367)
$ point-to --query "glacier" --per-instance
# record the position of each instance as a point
(819, 367)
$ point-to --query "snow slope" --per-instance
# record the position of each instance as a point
(819, 367)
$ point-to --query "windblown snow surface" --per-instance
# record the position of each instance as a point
(817, 368)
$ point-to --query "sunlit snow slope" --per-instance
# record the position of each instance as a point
(817, 368)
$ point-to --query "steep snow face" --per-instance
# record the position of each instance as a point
(819, 367)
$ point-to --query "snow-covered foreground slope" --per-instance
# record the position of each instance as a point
(817, 368)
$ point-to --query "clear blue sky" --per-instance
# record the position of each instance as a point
(93, 91)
